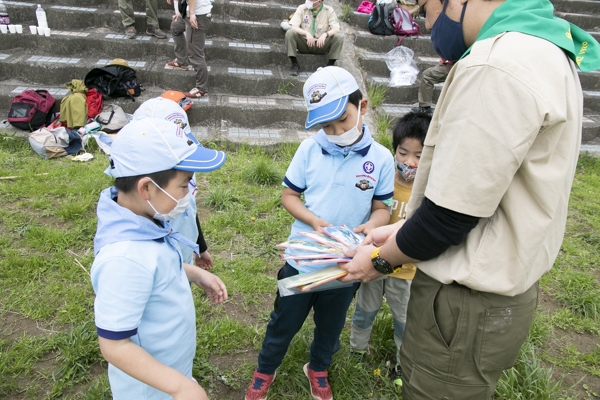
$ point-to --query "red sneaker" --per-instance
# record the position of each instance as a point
(259, 387)
(319, 385)
(175, 65)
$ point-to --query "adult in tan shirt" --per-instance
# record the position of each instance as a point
(315, 29)
(489, 204)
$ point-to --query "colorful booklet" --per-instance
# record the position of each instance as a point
(309, 256)
(318, 261)
(314, 278)
(326, 240)
(309, 246)
(344, 235)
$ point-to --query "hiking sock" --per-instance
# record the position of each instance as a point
(331, 62)
(294, 60)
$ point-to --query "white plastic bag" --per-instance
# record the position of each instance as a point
(403, 70)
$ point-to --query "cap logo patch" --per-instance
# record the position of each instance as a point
(316, 97)
(368, 167)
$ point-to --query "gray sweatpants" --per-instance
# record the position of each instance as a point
(368, 302)
(189, 48)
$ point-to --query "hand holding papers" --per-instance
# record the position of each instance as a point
(325, 247)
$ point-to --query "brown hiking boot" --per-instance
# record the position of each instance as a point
(152, 31)
(130, 32)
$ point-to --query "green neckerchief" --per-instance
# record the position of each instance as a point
(314, 21)
(536, 18)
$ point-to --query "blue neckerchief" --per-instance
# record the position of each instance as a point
(117, 224)
(362, 147)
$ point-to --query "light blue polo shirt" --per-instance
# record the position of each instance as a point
(142, 293)
(340, 189)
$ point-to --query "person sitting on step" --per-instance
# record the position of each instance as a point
(315, 29)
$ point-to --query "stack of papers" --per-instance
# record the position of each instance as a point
(326, 246)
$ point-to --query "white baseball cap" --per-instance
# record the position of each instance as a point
(149, 145)
(326, 94)
(160, 107)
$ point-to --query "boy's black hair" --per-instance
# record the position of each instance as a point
(129, 183)
(413, 125)
(355, 97)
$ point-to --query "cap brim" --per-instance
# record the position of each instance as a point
(326, 113)
(202, 160)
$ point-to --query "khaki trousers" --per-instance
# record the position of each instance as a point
(295, 43)
(430, 77)
(126, 8)
(458, 341)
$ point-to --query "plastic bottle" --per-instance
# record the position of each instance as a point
(41, 17)
(4, 20)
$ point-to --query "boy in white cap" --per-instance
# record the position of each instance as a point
(345, 178)
(144, 310)
(188, 223)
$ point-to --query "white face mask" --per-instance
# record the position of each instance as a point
(309, 4)
(349, 137)
(180, 207)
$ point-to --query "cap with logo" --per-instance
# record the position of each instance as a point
(149, 145)
(160, 107)
(326, 94)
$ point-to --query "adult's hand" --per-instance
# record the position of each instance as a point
(176, 17)
(321, 40)
(193, 21)
(310, 41)
(360, 268)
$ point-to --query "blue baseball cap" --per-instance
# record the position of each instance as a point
(149, 145)
(326, 94)
(160, 107)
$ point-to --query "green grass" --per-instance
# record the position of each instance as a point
(48, 344)
(346, 13)
(376, 95)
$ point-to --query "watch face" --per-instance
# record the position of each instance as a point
(381, 265)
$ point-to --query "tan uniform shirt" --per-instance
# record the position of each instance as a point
(503, 146)
(326, 20)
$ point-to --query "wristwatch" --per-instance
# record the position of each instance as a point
(380, 264)
(327, 34)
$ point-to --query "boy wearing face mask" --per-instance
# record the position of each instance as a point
(188, 223)
(315, 29)
(345, 178)
(407, 140)
(144, 310)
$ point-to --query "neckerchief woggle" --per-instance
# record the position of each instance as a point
(536, 18)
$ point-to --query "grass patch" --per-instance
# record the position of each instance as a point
(48, 344)
(346, 13)
(377, 95)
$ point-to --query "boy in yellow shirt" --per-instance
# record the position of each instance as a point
(407, 141)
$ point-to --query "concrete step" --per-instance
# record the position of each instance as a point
(225, 77)
(276, 117)
(590, 132)
(374, 63)
(264, 27)
(577, 6)
(590, 22)
(106, 43)
(369, 43)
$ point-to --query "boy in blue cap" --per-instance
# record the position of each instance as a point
(144, 310)
(188, 223)
(345, 178)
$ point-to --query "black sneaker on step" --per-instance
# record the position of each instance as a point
(294, 70)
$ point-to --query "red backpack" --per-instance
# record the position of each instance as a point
(93, 99)
(404, 25)
(30, 110)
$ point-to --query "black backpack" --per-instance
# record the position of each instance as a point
(379, 23)
(114, 81)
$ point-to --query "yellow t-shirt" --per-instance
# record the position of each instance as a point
(397, 213)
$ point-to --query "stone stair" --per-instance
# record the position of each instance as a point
(251, 96)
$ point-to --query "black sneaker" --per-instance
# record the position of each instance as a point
(427, 110)
(294, 70)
